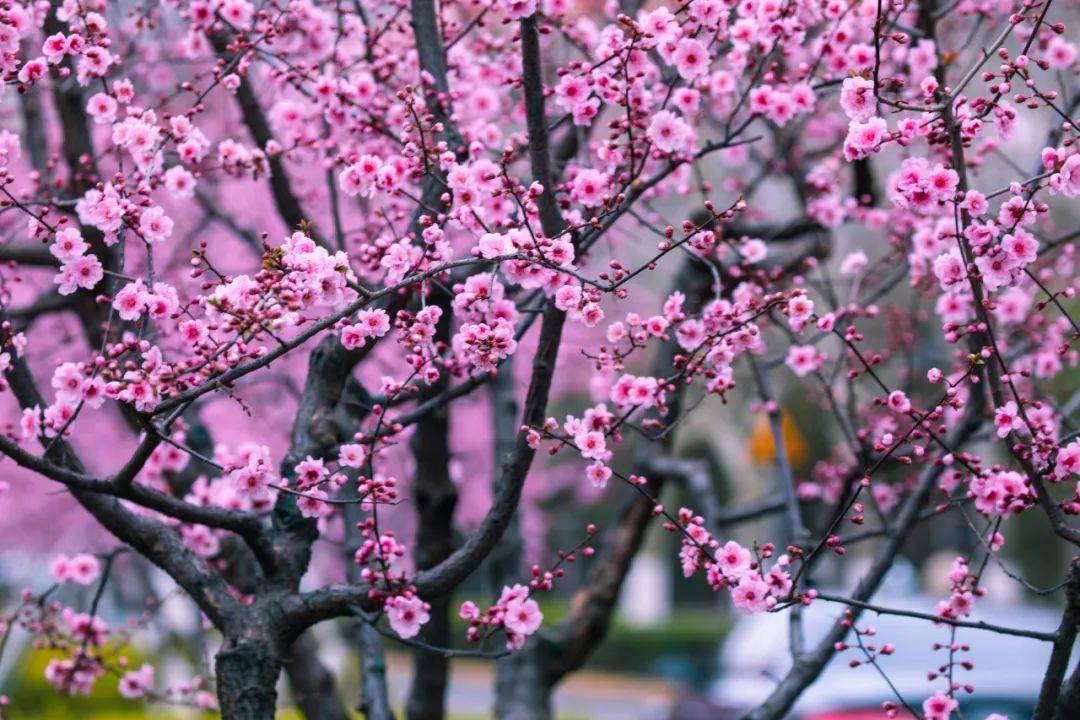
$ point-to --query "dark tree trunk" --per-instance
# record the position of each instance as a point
(431, 670)
(374, 697)
(312, 683)
(523, 690)
(1068, 705)
(246, 682)
(1050, 703)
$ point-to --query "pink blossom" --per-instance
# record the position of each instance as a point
(493, 245)
(670, 133)
(733, 559)
(137, 683)
(589, 187)
(939, 707)
(804, 359)
(360, 177)
(975, 203)
(373, 323)
(800, 310)
(1068, 460)
(81, 272)
(1060, 53)
(237, 13)
(598, 474)
(180, 182)
(572, 91)
(865, 138)
(751, 595)
(517, 9)
(591, 445)
(857, 98)
(352, 455)
(691, 58)
(1007, 419)
(1067, 180)
(102, 108)
(155, 225)
(312, 504)
(82, 569)
(854, 262)
(522, 616)
(407, 614)
(469, 611)
(310, 472)
(130, 302)
(68, 245)
(898, 401)
(949, 268)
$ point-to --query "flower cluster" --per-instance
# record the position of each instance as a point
(515, 612)
(731, 566)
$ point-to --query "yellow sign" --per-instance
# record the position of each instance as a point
(762, 447)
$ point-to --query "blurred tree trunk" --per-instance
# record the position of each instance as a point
(313, 686)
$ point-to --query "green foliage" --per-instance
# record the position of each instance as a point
(684, 648)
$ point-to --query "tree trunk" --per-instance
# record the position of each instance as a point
(246, 682)
(1068, 705)
(374, 696)
(311, 682)
(523, 690)
(1049, 702)
(431, 669)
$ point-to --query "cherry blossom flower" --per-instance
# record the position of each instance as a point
(591, 444)
(691, 58)
(312, 504)
(939, 707)
(137, 683)
(1068, 460)
(804, 359)
(670, 133)
(83, 272)
(857, 98)
(522, 616)
(751, 595)
(598, 474)
(407, 614)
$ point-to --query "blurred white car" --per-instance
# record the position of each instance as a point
(1007, 672)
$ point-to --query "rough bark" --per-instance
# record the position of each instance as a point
(1058, 664)
(374, 698)
(523, 687)
(1068, 705)
(246, 682)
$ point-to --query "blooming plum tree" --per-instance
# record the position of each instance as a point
(399, 212)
